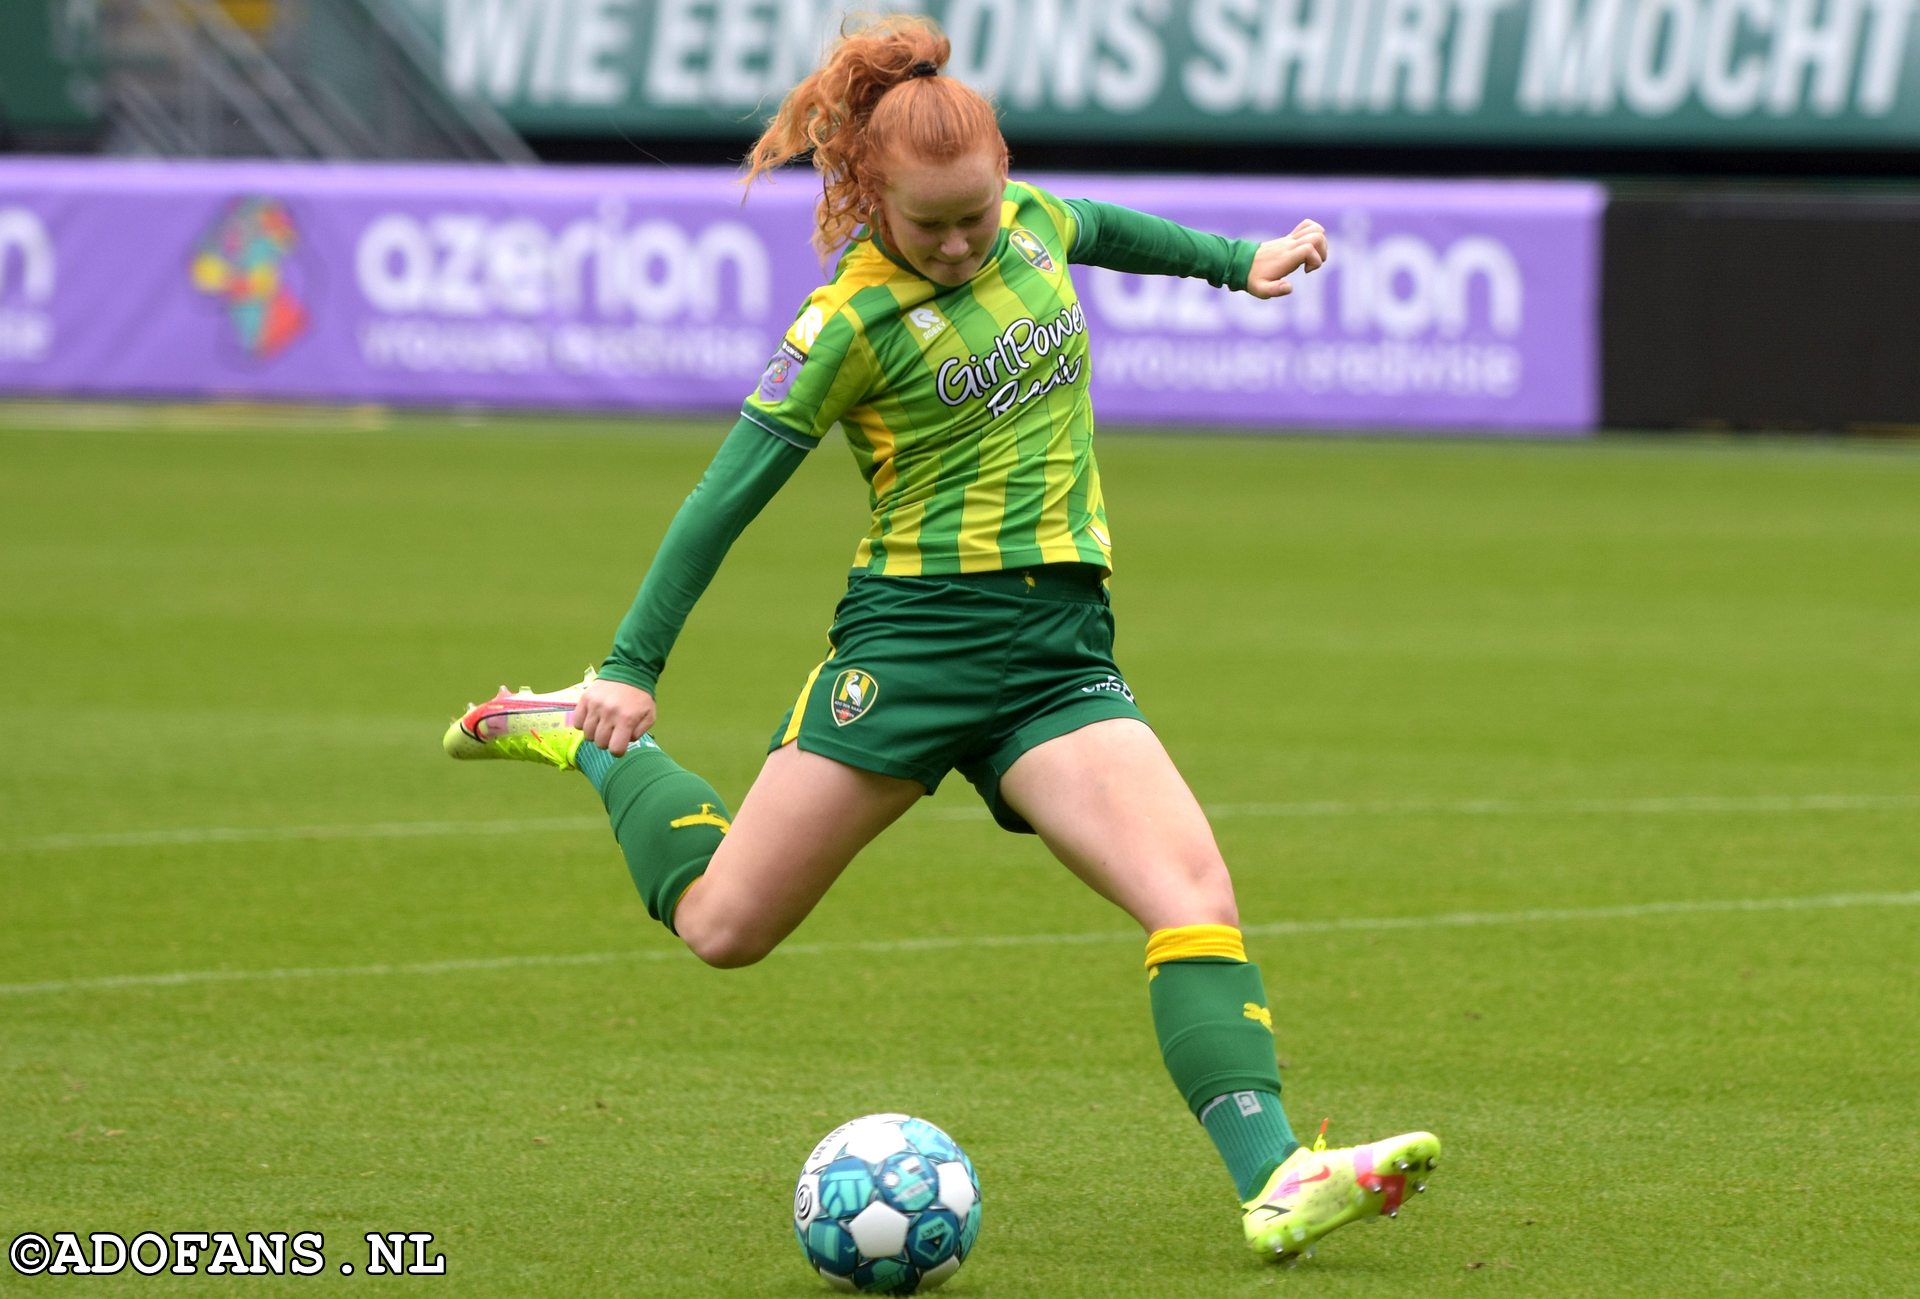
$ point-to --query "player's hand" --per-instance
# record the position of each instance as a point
(613, 714)
(1303, 250)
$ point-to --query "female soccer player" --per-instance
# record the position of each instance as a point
(975, 634)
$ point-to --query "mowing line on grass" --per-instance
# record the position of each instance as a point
(1682, 804)
(1348, 924)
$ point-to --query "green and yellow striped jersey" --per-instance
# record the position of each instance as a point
(966, 407)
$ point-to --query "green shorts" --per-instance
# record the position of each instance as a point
(930, 674)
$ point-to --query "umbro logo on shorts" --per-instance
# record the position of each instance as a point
(1109, 686)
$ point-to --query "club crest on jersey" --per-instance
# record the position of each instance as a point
(854, 693)
(1028, 245)
(781, 371)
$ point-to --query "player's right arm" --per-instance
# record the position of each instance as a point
(806, 387)
(749, 469)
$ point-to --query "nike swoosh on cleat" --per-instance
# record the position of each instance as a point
(1324, 1174)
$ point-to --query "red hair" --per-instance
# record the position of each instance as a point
(872, 101)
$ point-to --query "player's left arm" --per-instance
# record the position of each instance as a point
(1122, 239)
(1304, 250)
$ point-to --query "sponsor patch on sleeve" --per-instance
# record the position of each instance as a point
(781, 371)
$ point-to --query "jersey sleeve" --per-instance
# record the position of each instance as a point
(747, 470)
(1121, 239)
(1059, 213)
(816, 375)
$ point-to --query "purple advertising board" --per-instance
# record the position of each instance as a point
(1464, 306)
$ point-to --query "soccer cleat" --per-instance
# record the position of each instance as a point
(522, 724)
(1317, 1190)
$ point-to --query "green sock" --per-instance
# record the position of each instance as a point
(668, 820)
(1216, 1036)
(1252, 1134)
(598, 764)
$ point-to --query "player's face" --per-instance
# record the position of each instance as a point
(942, 217)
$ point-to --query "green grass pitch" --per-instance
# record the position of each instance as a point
(1571, 792)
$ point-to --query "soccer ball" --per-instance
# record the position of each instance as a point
(887, 1204)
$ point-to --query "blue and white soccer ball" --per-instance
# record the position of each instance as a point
(887, 1204)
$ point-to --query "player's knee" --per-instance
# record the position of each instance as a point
(1204, 891)
(725, 950)
(725, 946)
(725, 953)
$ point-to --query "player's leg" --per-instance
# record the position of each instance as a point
(1109, 803)
(758, 873)
(910, 671)
(803, 820)
(733, 888)
(872, 731)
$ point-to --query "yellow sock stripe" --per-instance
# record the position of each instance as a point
(1190, 941)
(800, 704)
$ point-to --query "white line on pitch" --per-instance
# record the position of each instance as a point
(192, 835)
(1702, 803)
(1606, 806)
(1284, 928)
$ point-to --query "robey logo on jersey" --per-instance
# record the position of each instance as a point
(996, 376)
(927, 321)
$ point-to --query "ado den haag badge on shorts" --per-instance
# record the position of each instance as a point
(853, 694)
(780, 373)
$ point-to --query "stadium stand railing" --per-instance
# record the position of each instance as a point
(299, 79)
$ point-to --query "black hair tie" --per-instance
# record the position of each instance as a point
(922, 69)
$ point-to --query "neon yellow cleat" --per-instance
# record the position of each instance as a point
(1317, 1190)
(522, 724)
